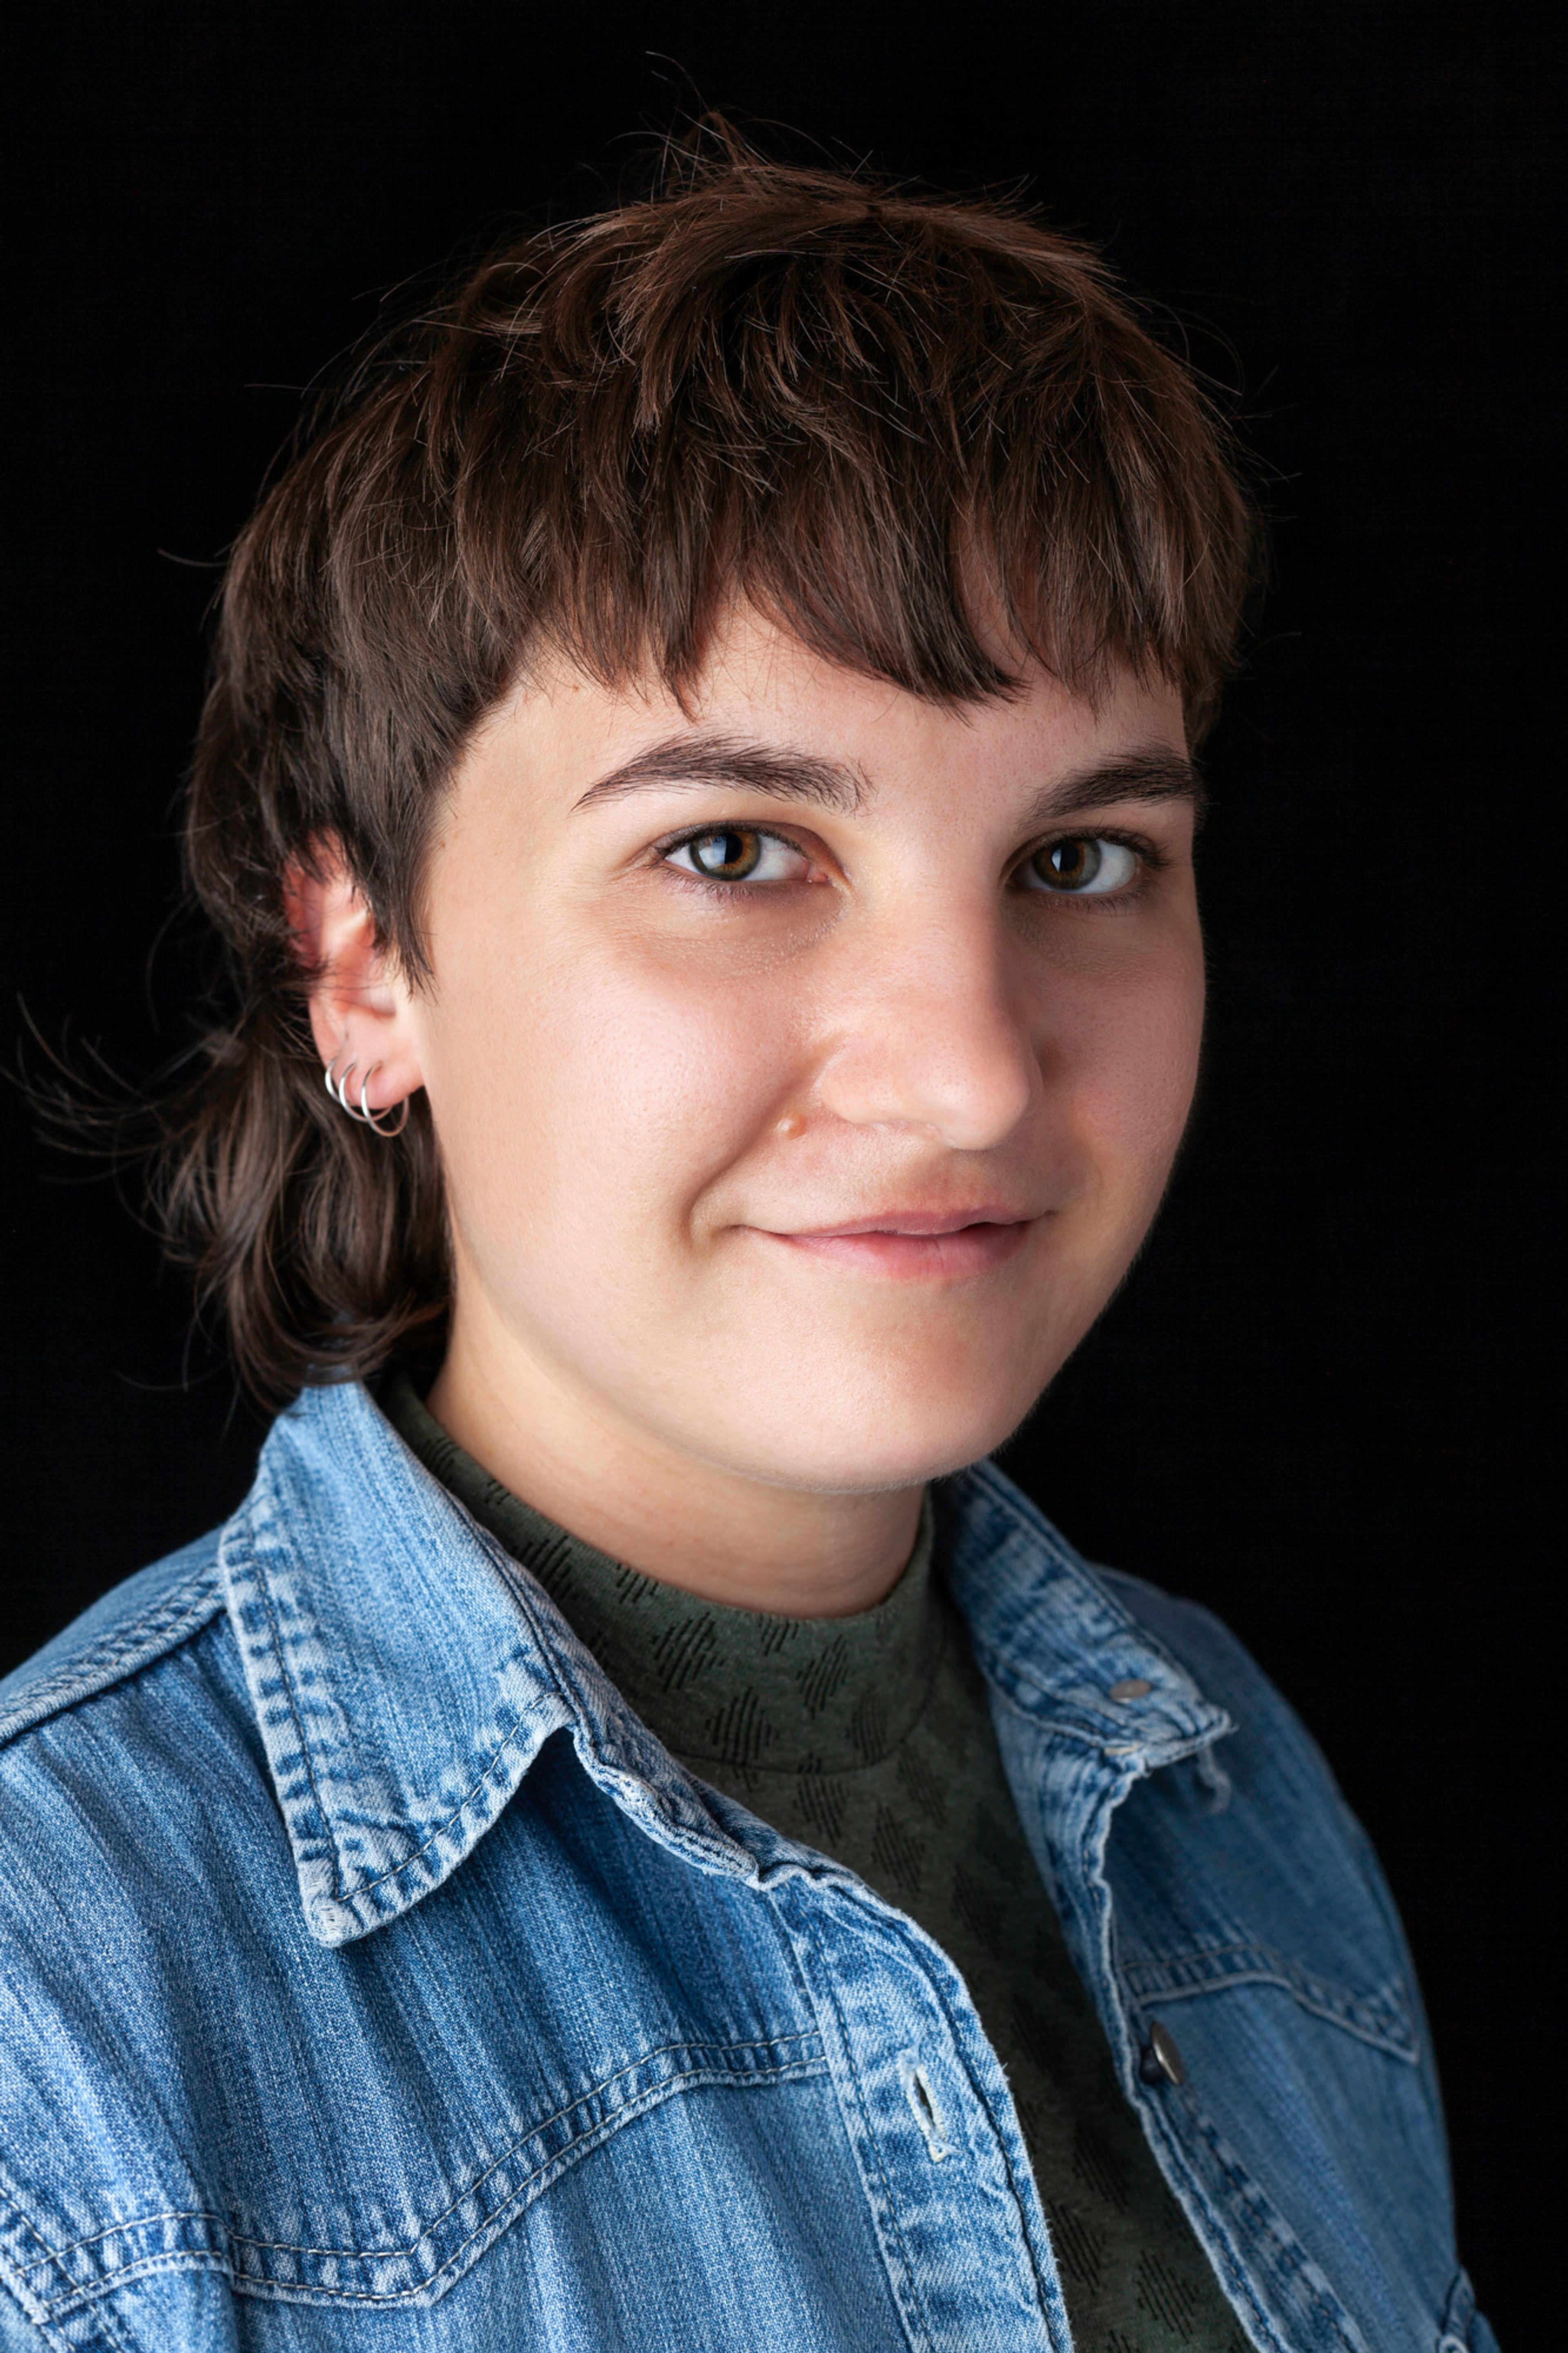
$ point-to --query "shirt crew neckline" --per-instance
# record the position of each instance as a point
(719, 1685)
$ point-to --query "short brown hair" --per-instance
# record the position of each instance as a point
(861, 409)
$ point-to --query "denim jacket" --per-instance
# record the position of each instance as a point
(373, 1978)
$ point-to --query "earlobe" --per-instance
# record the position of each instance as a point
(360, 1006)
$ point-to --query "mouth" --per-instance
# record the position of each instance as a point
(918, 1245)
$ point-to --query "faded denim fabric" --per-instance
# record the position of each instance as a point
(373, 1979)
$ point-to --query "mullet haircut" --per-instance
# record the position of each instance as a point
(884, 420)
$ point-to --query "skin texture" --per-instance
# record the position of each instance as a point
(661, 1099)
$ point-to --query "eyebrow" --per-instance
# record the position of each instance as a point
(1157, 774)
(704, 761)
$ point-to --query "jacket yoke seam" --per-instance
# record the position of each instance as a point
(382, 2255)
(582, 2145)
(114, 1658)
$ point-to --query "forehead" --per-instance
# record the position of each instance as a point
(762, 693)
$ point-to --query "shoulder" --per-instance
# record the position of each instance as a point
(127, 1741)
(1216, 1715)
(1269, 1743)
(139, 1847)
(1266, 1820)
(1027, 1591)
(101, 1732)
(129, 1629)
(116, 1725)
(130, 1765)
(116, 1741)
(1218, 1660)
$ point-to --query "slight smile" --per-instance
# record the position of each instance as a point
(916, 1246)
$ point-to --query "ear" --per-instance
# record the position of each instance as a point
(361, 1006)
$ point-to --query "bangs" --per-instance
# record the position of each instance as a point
(908, 432)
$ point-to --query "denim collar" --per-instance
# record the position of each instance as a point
(1051, 1636)
(405, 1673)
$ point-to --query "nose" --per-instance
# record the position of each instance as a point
(929, 1034)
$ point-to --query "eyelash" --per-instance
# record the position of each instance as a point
(1151, 858)
(1152, 861)
(712, 886)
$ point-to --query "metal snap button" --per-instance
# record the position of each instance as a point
(1162, 2062)
(1133, 1687)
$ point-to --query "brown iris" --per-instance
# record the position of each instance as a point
(728, 856)
(1069, 865)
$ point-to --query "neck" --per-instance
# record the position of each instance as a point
(689, 1523)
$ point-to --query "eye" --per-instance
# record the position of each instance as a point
(735, 853)
(1083, 866)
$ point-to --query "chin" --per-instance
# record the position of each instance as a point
(891, 1444)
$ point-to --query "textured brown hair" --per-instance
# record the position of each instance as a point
(869, 413)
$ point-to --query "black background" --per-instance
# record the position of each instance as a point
(1320, 1405)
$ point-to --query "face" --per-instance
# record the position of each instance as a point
(807, 1067)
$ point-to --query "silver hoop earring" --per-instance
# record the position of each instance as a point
(334, 1085)
(337, 1083)
(374, 1118)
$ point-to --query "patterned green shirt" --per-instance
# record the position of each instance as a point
(870, 1738)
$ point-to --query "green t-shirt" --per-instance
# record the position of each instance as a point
(871, 1739)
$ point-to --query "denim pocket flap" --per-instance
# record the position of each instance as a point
(1383, 2016)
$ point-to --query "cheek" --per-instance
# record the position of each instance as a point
(1129, 1083)
(583, 1108)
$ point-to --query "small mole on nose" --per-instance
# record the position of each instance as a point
(791, 1123)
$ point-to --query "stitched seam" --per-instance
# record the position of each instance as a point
(518, 1587)
(22, 2299)
(47, 2333)
(955, 2036)
(1092, 1742)
(203, 2258)
(1370, 2015)
(586, 1720)
(1159, 2120)
(154, 1637)
(285, 1674)
(110, 1650)
(1158, 2128)
(508, 1741)
(107, 2322)
(388, 2254)
(1081, 1575)
(343, 1889)
(913, 2292)
(1263, 1952)
(1292, 1978)
(1288, 2247)
(954, 2033)
(565, 1680)
(1377, 2035)
(1236, 2271)
(26, 2220)
(96, 2298)
(1041, 1533)
(696, 2079)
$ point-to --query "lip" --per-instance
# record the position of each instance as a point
(918, 1245)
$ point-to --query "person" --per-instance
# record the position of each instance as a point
(635, 1835)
